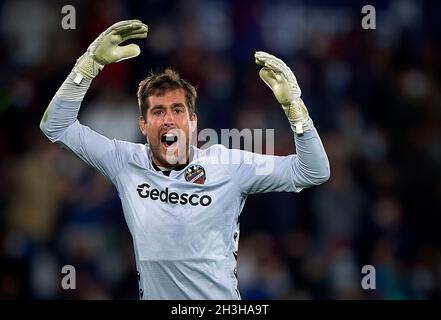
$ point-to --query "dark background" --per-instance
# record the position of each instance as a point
(374, 96)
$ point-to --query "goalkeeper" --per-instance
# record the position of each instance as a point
(181, 203)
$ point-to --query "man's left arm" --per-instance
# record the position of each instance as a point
(310, 165)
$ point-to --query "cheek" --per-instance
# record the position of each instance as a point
(151, 130)
(185, 123)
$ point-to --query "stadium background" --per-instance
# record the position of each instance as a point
(374, 96)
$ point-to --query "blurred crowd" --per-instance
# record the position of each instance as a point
(374, 96)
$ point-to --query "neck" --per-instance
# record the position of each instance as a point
(160, 167)
(166, 167)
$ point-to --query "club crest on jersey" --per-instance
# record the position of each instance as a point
(196, 174)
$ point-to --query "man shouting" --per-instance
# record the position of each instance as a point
(182, 203)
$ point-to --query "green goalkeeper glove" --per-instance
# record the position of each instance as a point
(105, 49)
(279, 77)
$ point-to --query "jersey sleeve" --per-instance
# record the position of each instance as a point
(108, 156)
(257, 173)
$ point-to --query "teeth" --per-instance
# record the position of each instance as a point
(169, 138)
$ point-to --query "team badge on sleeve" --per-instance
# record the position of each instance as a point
(196, 174)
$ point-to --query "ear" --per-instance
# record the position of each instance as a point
(143, 126)
(193, 122)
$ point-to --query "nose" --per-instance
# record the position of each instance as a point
(168, 119)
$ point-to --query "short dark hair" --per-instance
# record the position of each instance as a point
(159, 84)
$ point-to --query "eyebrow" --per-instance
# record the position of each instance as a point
(161, 106)
(158, 106)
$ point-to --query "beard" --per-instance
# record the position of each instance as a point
(171, 148)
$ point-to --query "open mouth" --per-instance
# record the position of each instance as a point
(169, 139)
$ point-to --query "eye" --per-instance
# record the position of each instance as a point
(157, 112)
(179, 110)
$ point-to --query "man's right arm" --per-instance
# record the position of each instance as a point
(59, 122)
(61, 126)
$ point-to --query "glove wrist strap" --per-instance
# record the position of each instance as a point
(298, 116)
(86, 67)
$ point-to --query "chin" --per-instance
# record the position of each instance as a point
(173, 155)
(173, 158)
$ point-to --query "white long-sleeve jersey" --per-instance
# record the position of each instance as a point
(185, 234)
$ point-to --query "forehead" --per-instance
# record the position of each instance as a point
(168, 98)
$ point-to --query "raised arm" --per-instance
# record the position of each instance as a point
(59, 122)
(310, 165)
